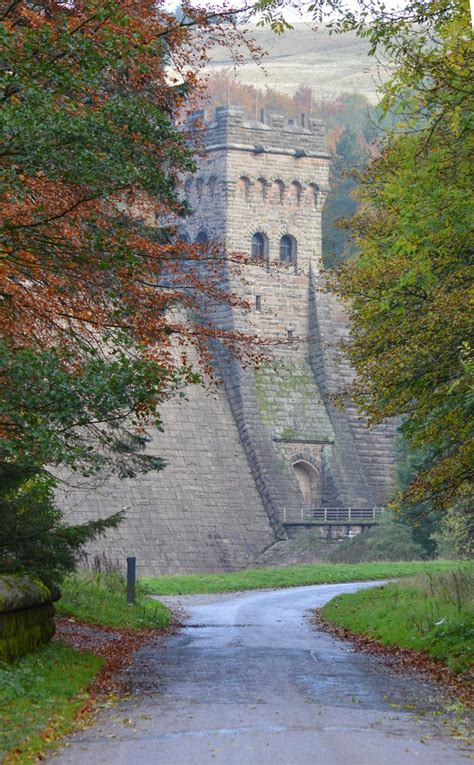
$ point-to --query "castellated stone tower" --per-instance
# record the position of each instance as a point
(260, 191)
(270, 442)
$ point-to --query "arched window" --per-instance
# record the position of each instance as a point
(287, 249)
(295, 193)
(258, 246)
(262, 188)
(202, 237)
(312, 195)
(212, 185)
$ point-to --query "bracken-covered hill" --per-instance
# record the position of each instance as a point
(330, 64)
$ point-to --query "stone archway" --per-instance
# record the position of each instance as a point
(309, 481)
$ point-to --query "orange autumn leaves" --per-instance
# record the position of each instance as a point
(92, 142)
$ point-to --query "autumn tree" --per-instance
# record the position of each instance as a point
(409, 291)
(98, 292)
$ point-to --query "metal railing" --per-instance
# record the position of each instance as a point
(333, 514)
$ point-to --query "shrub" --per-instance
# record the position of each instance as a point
(389, 540)
(455, 535)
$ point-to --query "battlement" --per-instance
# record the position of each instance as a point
(272, 133)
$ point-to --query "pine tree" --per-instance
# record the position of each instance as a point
(33, 535)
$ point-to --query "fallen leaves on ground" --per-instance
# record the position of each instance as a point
(116, 644)
(401, 659)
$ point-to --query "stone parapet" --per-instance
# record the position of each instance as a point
(271, 133)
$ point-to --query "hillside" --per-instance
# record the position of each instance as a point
(330, 64)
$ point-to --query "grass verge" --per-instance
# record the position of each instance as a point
(39, 698)
(433, 613)
(291, 576)
(41, 694)
(100, 598)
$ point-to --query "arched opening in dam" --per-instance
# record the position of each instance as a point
(309, 481)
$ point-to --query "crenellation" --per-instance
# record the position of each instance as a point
(273, 134)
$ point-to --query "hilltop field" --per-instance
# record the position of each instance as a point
(330, 64)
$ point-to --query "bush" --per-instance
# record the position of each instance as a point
(389, 540)
(455, 535)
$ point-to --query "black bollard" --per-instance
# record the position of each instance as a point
(131, 580)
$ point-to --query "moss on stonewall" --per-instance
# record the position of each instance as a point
(26, 616)
(290, 403)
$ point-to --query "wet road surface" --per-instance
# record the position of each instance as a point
(249, 681)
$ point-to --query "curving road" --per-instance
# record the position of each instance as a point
(249, 681)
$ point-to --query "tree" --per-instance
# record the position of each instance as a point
(33, 535)
(422, 517)
(92, 154)
(98, 292)
(408, 291)
(455, 536)
(341, 203)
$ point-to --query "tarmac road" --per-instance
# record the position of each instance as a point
(249, 681)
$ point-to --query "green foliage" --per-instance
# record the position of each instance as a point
(455, 535)
(291, 576)
(409, 290)
(421, 517)
(33, 536)
(389, 540)
(340, 204)
(433, 613)
(52, 409)
(100, 598)
(44, 689)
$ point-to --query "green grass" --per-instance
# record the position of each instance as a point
(291, 576)
(42, 691)
(101, 599)
(432, 613)
(41, 694)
